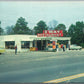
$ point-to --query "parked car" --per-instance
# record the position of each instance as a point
(75, 47)
(2, 50)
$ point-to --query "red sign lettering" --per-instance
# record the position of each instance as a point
(51, 33)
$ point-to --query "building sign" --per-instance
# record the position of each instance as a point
(51, 33)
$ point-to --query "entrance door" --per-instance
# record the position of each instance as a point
(44, 45)
(39, 44)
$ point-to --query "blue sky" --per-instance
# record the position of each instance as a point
(66, 12)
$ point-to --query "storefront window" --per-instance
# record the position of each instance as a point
(10, 44)
(25, 44)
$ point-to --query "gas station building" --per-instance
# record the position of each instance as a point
(25, 42)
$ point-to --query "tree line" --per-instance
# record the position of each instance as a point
(75, 31)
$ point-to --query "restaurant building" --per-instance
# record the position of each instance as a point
(25, 42)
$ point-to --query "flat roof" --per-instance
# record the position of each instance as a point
(30, 37)
(51, 38)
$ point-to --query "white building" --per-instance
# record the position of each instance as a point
(24, 42)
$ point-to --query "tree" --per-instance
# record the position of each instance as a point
(71, 30)
(62, 27)
(76, 33)
(1, 30)
(21, 27)
(9, 30)
(52, 24)
(41, 25)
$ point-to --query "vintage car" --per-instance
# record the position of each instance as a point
(75, 47)
(2, 50)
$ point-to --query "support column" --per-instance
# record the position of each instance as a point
(41, 44)
(69, 43)
(36, 43)
(57, 47)
(56, 41)
(46, 43)
(31, 44)
(2, 44)
(18, 43)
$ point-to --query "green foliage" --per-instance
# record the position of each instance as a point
(21, 27)
(1, 30)
(71, 30)
(62, 27)
(41, 25)
(76, 33)
(82, 44)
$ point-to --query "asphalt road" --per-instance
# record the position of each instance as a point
(41, 66)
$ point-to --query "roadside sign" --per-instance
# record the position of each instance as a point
(51, 33)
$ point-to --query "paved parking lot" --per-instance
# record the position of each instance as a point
(40, 66)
